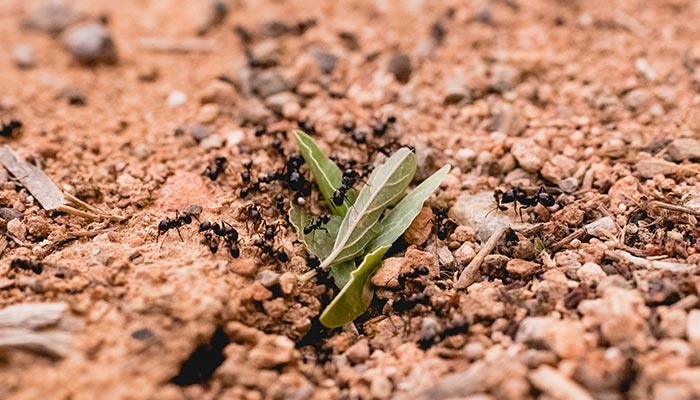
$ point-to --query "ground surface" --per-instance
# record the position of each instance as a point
(594, 100)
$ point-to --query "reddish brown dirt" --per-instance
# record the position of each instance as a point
(511, 93)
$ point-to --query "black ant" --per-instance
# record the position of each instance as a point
(307, 127)
(420, 270)
(36, 267)
(317, 224)
(279, 202)
(445, 225)
(518, 196)
(408, 303)
(245, 191)
(216, 168)
(350, 176)
(221, 229)
(252, 213)
(381, 128)
(267, 248)
(10, 129)
(180, 220)
(452, 329)
(245, 175)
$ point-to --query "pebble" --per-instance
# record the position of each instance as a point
(400, 66)
(429, 328)
(91, 44)
(455, 90)
(529, 155)
(23, 56)
(649, 168)
(212, 142)
(176, 98)
(267, 83)
(507, 119)
(244, 267)
(358, 352)
(268, 278)
(504, 77)
(692, 330)
(308, 89)
(562, 336)
(326, 61)
(638, 99)
(199, 132)
(276, 102)
(568, 185)
(445, 257)
(644, 69)
(388, 273)
(216, 13)
(558, 168)
(522, 268)
(590, 273)
(291, 110)
(684, 149)
(476, 212)
(218, 92)
(52, 17)
(603, 228)
(233, 138)
(271, 351)
(673, 322)
(208, 113)
(254, 112)
(465, 253)
(287, 282)
(17, 229)
(466, 157)
(9, 214)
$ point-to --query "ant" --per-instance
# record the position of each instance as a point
(317, 224)
(307, 126)
(216, 168)
(180, 220)
(10, 129)
(518, 196)
(380, 129)
(268, 249)
(350, 176)
(411, 302)
(245, 175)
(223, 230)
(36, 267)
(419, 271)
(454, 328)
(252, 213)
(445, 225)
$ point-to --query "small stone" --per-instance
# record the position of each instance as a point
(199, 132)
(603, 228)
(522, 268)
(568, 185)
(244, 267)
(234, 138)
(466, 158)
(287, 283)
(276, 102)
(208, 113)
(400, 66)
(421, 227)
(673, 322)
(558, 168)
(476, 212)
(430, 328)
(254, 112)
(651, 167)
(684, 149)
(266, 83)
(176, 98)
(590, 273)
(9, 214)
(388, 273)
(23, 56)
(91, 44)
(271, 351)
(308, 89)
(529, 155)
(211, 142)
(52, 17)
(445, 257)
(358, 352)
(692, 330)
(380, 387)
(291, 110)
(268, 278)
(504, 77)
(508, 120)
(644, 69)
(17, 229)
(266, 54)
(37, 227)
(638, 99)
(562, 336)
(465, 253)
(455, 90)
(218, 92)
(326, 61)
(216, 13)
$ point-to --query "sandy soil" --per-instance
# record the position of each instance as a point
(596, 101)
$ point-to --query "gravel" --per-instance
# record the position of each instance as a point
(23, 56)
(684, 149)
(400, 67)
(91, 44)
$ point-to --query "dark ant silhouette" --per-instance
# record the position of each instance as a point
(444, 224)
(216, 168)
(323, 276)
(245, 175)
(317, 224)
(454, 328)
(420, 270)
(307, 126)
(350, 176)
(10, 129)
(252, 213)
(380, 129)
(180, 220)
(267, 247)
(223, 230)
(405, 304)
(519, 197)
(24, 264)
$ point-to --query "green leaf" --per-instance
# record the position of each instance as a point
(319, 242)
(356, 295)
(341, 272)
(401, 216)
(327, 174)
(386, 185)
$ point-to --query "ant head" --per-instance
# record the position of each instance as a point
(545, 199)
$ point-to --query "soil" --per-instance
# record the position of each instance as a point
(596, 297)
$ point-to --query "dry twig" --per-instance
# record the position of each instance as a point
(470, 273)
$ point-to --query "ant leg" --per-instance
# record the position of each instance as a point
(178, 233)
